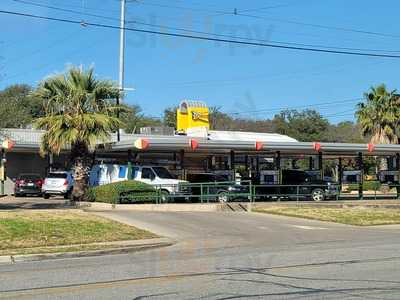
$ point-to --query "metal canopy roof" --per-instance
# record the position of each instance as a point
(27, 140)
(177, 143)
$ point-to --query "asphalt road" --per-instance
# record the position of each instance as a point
(225, 256)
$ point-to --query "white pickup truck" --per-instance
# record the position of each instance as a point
(157, 176)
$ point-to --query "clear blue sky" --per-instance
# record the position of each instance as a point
(166, 70)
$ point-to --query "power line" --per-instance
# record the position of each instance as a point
(202, 32)
(219, 12)
(296, 107)
(178, 7)
(10, 43)
(314, 71)
(200, 4)
(237, 12)
(320, 26)
(269, 7)
(66, 10)
(73, 11)
(306, 49)
(340, 114)
(52, 62)
(367, 32)
(55, 43)
(108, 10)
(262, 40)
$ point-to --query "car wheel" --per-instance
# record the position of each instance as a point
(318, 195)
(17, 195)
(46, 196)
(164, 196)
(223, 197)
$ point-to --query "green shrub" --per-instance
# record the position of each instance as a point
(89, 195)
(371, 185)
(128, 191)
(367, 186)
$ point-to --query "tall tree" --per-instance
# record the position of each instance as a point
(80, 111)
(378, 116)
(134, 119)
(345, 132)
(305, 126)
(170, 116)
(220, 120)
(18, 107)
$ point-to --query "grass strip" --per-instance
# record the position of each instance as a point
(22, 231)
(352, 216)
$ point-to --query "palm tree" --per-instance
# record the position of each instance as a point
(80, 112)
(379, 115)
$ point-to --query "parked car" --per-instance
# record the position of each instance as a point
(58, 183)
(157, 176)
(299, 184)
(217, 186)
(28, 184)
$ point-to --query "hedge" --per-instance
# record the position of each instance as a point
(367, 186)
(128, 191)
(371, 185)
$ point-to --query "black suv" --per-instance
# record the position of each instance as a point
(216, 187)
(298, 184)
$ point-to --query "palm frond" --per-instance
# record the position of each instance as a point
(79, 109)
(379, 115)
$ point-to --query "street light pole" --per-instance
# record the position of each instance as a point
(121, 58)
(122, 46)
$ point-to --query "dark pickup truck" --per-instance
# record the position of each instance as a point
(216, 188)
(297, 184)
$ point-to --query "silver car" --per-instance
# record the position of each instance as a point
(58, 183)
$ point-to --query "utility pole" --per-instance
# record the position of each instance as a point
(121, 57)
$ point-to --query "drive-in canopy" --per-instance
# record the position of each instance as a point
(176, 143)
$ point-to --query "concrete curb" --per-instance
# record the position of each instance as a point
(233, 206)
(172, 207)
(120, 248)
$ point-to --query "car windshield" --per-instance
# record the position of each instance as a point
(57, 175)
(302, 177)
(203, 178)
(29, 177)
(163, 173)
